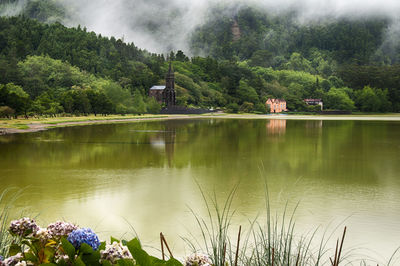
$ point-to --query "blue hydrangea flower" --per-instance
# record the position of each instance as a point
(1, 258)
(84, 235)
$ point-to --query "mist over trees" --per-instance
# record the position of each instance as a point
(50, 69)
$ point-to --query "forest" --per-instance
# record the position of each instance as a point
(49, 69)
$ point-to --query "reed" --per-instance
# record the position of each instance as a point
(272, 242)
(215, 240)
(6, 200)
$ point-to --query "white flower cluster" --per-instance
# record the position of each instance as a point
(198, 260)
(42, 234)
(60, 257)
(13, 261)
(59, 229)
(115, 252)
(24, 226)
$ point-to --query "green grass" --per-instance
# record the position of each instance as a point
(100, 119)
(21, 126)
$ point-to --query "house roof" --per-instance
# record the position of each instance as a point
(276, 100)
(159, 87)
(313, 100)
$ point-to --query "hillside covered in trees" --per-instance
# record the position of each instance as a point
(236, 63)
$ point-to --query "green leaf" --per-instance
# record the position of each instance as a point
(62, 263)
(35, 244)
(28, 232)
(14, 250)
(113, 239)
(141, 256)
(125, 262)
(86, 249)
(134, 243)
(79, 262)
(91, 259)
(68, 248)
(106, 263)
(49, 252)
(29, 256)
(102, 246)
(158, 262)
(173, 262)
(48, 264)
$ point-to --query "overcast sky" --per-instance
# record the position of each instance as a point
(131, 18)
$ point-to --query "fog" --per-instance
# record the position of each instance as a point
(138, 20)
(163, 25)
(11, 9)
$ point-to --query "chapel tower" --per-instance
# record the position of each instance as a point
(169, 91)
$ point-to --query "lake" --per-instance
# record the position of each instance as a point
(148, 175)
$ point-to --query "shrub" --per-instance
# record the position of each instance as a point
(247, 107)
(232, 108)
(63, 243)
(6, 111)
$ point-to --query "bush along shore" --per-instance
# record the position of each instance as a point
(63, 243)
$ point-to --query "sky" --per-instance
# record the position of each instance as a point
(131, 19)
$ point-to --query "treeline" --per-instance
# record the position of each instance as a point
(51, 87)
(51, 69)
(105, 57)
(342, 40)
(348, 55)
(52, 63)
(356, 76)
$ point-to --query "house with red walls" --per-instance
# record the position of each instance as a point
(276, 105)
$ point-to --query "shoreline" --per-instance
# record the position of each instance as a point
(57, 123)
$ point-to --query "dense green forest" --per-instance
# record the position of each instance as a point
(49, 69)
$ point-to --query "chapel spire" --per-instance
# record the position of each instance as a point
(169, 92)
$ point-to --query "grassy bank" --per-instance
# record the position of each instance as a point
(22, 125)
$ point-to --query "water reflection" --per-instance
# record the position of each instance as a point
(147, 173)
(314, 124)
(276, 127)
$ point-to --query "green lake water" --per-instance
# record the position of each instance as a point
(147, 175)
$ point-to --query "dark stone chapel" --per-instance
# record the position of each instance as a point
(165, 94)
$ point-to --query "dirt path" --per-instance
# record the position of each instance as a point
(35, 127)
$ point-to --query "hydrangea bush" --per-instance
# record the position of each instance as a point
(63, 243)
(13, 260)
(60, 229)
(84, 235)
(24, 227)
(198, 260)
(115, 252)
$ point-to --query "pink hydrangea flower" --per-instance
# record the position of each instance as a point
(24, 227)
(60, 229)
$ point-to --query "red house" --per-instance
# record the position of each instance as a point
(276, 105)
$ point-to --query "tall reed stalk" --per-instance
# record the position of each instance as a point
(214, 229)
(274, 242)
(5, 207)
(270, 243)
